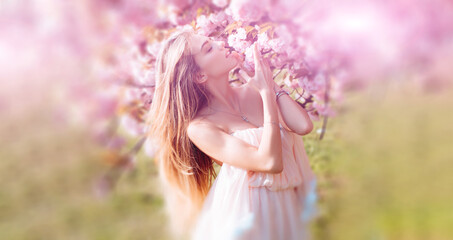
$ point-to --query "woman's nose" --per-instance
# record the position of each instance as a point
(221, 44)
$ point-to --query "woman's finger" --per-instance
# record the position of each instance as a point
(250, 73)
(257, 57)
(243, 75)
(266, 67)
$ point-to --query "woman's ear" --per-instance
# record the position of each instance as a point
(202, 77)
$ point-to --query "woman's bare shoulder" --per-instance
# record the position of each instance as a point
(201, 121)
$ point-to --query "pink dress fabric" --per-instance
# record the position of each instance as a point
(251, 205)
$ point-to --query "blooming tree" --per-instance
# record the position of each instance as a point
(317, 50)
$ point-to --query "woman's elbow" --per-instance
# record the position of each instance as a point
(305, 129)
(276, 166)
(308, 128)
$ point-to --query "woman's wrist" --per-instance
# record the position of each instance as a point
(280, 93)
(270, 106)
(272, 122)
(276, 87)
(266, 92)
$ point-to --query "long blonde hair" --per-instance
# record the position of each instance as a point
(185, 172)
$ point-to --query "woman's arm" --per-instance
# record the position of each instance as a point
(294, 116)
(271, 138)
(217, 144)
(225, 148)
(290, 114)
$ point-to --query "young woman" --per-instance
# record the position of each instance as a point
(265, 188)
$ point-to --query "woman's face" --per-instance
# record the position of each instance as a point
(211, 56)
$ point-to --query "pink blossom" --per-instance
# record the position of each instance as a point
(276, 45)
(263, 41)
(184, 27)
(106, 107)
(291, 83)
(180, 19)
(294, 52)
(318, 86)
(313, 116)
(220, 3)
(137, 12)
(204, 25)
(142, 73)
(131, 126)
(337, 87)
(319, 82)
(324, 109)
(282, 44)
(116, 142)
(284, 34)
(99, 135)
(238, 40)
(177, 4)
(241, 34)
(154, 48)
(312, 55)
(150, 147)
(131, 94)
(313, 86)
(281, 10)
(248, 10)
(248, 66)
(220, 18)
(278, 61)
(249, 62)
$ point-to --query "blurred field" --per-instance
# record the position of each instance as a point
(383, 166)
(388, 163)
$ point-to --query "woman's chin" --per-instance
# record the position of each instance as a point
(236, 56)
(237, 59)
(234, 66)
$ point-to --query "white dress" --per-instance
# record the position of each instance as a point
(243, 204)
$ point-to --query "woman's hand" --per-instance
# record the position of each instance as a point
(262, 80)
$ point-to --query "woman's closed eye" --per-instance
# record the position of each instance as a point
(210, 48)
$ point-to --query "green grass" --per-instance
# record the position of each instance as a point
(46, 177)
(390, 171)
(383, 171)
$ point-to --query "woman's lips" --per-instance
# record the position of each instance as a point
(235, 55)
(229, 51)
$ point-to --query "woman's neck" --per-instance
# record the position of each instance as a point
(223, 96)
